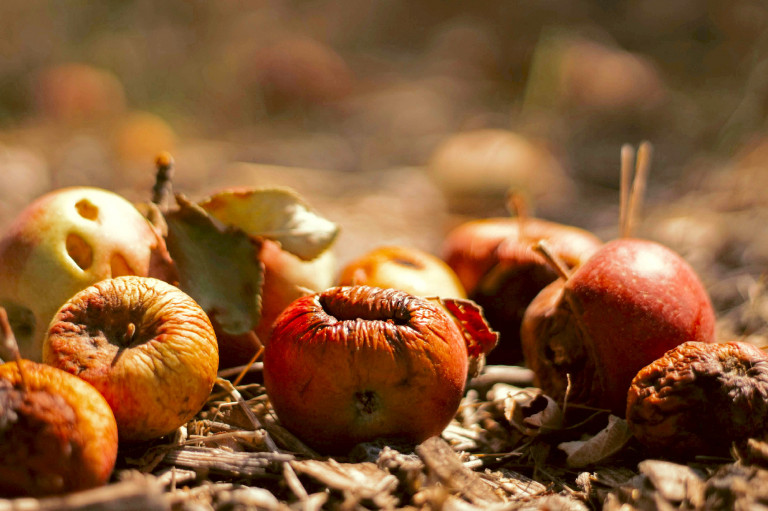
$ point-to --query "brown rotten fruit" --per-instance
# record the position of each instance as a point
(57, 433)
(498, 265)
(145, 345)
(352, 364)
(699, 398)
(588, 335)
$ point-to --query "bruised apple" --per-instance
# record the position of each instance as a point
(65, 241)
(497, 263)
(57, 433)
(357, 363)
(144, 344)
(406, 268)
(587, 336)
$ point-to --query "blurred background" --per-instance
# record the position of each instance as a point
(400, 119)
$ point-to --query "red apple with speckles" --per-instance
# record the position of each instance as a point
(631, 302)
(357, 363)
(496, 262)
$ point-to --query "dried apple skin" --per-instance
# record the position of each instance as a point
(699, 398)
(357, 363)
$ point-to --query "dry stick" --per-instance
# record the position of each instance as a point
(517, 206)
(639, 182)
(627, 159)
(247, 366)
(9, 344)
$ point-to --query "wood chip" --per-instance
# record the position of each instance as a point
(225, 462)
(442, 461)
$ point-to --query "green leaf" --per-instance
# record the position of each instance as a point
(218, 267)
(278, 214)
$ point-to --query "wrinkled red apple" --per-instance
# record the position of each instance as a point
(405, 268)
(589, 335)
(146, 345)
(357, 363)
(65, 241)
(497, 263)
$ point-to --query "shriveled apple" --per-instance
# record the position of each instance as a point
(357, 363)
(65, 241)
(146, 345)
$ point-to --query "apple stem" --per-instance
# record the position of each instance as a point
(553, 260)
(631, 199)
(163, 180)
(9, 345)
(567, 393)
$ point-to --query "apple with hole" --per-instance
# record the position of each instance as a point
(147, 346)
(57, 433)
(357, 363)
(406, 268)
(587, 335)
(65, 241)
(496, 262)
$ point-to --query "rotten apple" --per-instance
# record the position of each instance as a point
(57, 433)
(65, 241)
(406, 268)
(501, 270)
(144, 344)
(357, 363)
(587, 335)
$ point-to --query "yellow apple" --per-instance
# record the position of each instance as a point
(65, 241)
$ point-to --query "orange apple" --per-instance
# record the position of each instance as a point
(406, 268)
(57, 433)
(65, 241)
(357, 363)
(147, 346)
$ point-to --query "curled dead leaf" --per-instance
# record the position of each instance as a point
(601, 446)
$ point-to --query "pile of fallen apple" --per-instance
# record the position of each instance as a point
(123, 314)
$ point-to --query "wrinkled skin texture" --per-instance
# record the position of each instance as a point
(699, 398)
(57, 435)
(354, 364)
(621, 310)
(496, 263)
(65, 241)
(405, 268)
(145, 345)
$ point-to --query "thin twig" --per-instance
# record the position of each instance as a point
(627, 159)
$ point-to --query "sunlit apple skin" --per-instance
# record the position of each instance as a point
(57, 433)
(65, 241)
(496, 263)
(358, 363)
(144, 344)
(405, 268)
(625, 307)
